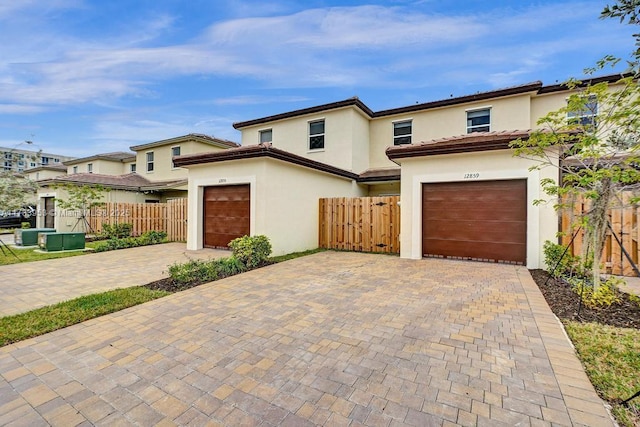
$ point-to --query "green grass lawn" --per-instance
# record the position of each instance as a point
(29, 255)
(611, 357)
(46, 319)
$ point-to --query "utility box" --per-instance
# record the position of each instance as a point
(52, 242)
(29, 236)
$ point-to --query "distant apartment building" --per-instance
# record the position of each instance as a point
(18, 160)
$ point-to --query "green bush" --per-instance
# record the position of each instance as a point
(24, 225)
(251, 251)
(145, 239)
(604, 296)
(552, 253)
(116, 231)
(199, 271)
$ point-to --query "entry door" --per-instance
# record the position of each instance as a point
(50, 212)
(226, 214)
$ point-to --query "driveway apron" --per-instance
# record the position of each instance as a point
(328, 339)
(30, 285)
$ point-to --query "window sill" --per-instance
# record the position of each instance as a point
(317, 150)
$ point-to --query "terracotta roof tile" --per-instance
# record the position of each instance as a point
(131, 181)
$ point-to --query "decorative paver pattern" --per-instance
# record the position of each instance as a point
(329, 339)
(30, 285)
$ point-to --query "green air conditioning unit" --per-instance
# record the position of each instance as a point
(29, 236)
(52, 242)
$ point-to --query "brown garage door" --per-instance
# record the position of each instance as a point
(226, 214)
(481, 220)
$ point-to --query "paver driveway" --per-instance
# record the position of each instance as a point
(328, 339)
(30, 285)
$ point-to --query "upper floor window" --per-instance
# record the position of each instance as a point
(479, 120)
(586, 114)
(316, 135)
(75, 169)
(150, 161)
(90, 167)
(402, 132)
(132, 167)
(175, 151)
(266, 136)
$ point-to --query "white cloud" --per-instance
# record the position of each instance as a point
(331, 47)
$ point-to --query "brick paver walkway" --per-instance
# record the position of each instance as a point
(329, 339)
(30, 285)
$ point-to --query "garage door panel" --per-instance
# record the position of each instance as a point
(492, 231)
(226, 214)
(481, 251)
(485, 220)
(498, 214)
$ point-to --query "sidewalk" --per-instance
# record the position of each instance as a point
(30, 285)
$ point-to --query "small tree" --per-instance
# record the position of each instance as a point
(594, 141)
(15, 187)
(81, 198)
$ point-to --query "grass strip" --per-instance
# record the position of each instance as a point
(50, 318)
(294, 255)
(30, 255)
(611, 357)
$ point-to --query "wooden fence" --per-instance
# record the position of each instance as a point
(170, 217)
(624, 223)
(368, 224)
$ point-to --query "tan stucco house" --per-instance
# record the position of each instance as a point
(463, 193)
(147, 174)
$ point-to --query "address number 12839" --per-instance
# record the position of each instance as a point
(471, 175)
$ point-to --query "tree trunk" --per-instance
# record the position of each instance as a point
(596, 228)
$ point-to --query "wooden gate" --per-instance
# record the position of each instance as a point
(623, 218)
(367, 224)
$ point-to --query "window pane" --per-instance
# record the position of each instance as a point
(316, 128)
(265, 136)
(402, 140)
(402, 128)
(175, 151)
(316, 142)
(150, 157)
(479, 129)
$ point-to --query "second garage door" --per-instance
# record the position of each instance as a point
(482, 220)
(226, 214)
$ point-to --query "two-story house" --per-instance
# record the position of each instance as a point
(145, 175)
(463, 193)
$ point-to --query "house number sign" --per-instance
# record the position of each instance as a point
(222, 180)
(471, 175)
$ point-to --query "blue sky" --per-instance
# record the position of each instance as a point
(81, 77)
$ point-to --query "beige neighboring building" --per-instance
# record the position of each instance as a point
(144, 175)
(463, 193)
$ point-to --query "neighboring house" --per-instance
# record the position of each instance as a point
(21, 160)
(156, 180)
(449, 160)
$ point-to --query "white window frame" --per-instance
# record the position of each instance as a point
(89, 167)
(589, 114)
(398, 137)
(173, 165)
(150, 162)
(323, 134)
(264, 132)
(470, 128)
(132, 168)
(75, 169)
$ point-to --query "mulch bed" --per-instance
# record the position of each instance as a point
(168, 285)
(564, 303)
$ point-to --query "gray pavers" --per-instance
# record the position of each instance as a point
(329, 339)
(30, 285)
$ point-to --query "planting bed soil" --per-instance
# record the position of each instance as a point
(565, 304)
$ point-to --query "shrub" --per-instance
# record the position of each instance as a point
(116, 231)
(25, 225)
(193, 271)
(199, 271)
(553, 258)
(148, 238)
(251, 251)
(604, 296)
